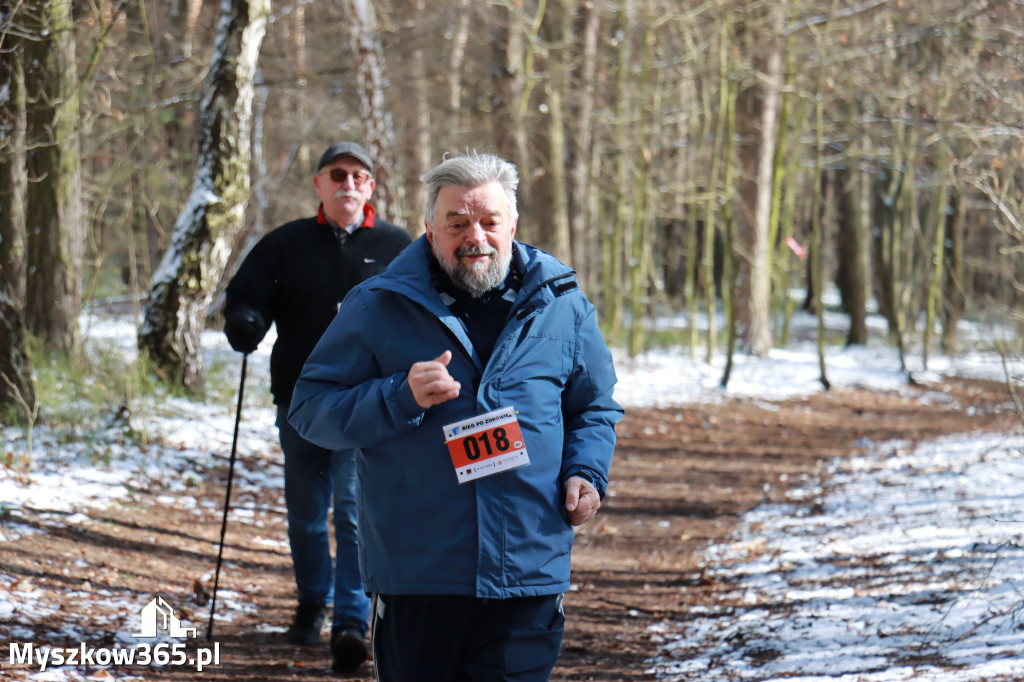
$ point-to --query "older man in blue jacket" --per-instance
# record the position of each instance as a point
(473, 379)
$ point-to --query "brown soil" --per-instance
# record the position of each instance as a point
(681, 479)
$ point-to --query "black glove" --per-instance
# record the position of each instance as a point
(244, 330)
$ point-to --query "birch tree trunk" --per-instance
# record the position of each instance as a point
(55, 234)
(183, 286)
(379, 135)
(758, 332)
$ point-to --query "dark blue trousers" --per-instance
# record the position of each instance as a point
(443, 638)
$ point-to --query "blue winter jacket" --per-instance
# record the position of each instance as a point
(420, 530)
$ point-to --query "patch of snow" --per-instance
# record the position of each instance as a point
(910, 562)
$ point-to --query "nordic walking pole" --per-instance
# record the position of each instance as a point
(227, 495)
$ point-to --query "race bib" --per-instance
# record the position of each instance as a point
(486, 444)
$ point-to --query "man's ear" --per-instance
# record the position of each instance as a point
(429, 232)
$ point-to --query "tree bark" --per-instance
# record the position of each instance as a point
(617, 237)
(456, 60)
(13, 179)
(765, 96)
(419, 149)
(185, 282)
(952, 282)
(853, 268)
(55, 234)
(379, 135)
(581, 106)
(938, 255)
(17, 389)
(509, 79)
(550, 189)
(716, 189)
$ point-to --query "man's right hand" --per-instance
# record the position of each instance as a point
(244, 331)
(430, 382)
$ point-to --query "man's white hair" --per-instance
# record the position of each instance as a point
(470, 170)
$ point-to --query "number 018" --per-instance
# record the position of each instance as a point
(472, 443)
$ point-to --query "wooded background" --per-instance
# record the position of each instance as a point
(684, 156)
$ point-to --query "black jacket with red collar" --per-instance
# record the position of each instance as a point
(295, 277)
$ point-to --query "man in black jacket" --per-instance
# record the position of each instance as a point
(295, 277)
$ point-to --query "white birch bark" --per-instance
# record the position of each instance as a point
(183, 285)
(759, 334)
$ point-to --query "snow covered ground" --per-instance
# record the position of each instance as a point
(909, 564)
(937, 531)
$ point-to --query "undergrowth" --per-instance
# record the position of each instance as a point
(99, 399)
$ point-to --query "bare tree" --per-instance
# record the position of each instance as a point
(379, 136)
(13, 179)
(16, 386)
(759, 152)
(53, 162)
(184, 284)
(456, 60)
(509, 79)
(581, 143)
(551, 185)
(17, 389)
(420, 151)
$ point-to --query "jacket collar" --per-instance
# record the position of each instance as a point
(410, 275)
(369, 215)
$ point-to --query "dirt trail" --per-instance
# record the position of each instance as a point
(681, 479)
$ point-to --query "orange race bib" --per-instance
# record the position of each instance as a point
(486, 444)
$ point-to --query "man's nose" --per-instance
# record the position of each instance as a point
(476, 234)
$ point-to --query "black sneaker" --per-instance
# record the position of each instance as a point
(309, 618)
(348, 648)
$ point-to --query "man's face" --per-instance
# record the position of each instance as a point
(472, 235)
(344, 186)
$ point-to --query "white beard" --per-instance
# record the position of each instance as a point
(478, 278)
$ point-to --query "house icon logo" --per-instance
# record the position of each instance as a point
(157, 615)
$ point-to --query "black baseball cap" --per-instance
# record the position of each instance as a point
(340, 149)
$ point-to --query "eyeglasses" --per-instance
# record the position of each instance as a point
(340, 175)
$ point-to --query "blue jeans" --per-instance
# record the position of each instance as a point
(312, 476)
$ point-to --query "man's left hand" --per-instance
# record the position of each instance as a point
(581, 500)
